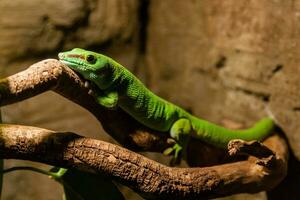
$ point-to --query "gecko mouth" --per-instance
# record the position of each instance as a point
(76, 66)
(87, 83)
(77, 69)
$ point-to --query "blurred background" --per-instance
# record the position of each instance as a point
(221, 60)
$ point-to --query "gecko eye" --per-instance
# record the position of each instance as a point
(91, 59)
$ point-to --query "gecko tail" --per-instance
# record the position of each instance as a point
(270, 114)
(259, 131)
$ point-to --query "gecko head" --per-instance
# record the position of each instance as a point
(87, 63)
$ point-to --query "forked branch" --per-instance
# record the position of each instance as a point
(147, 177)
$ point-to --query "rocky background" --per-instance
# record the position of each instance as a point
(221, 60)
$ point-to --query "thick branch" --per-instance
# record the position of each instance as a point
(147, 177)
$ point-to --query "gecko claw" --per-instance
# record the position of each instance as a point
(86, 84)
(91, 92)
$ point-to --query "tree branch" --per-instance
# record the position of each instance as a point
(147, 177)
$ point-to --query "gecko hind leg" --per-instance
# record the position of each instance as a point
(180, 131)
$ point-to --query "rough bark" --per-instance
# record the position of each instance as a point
(149, 178)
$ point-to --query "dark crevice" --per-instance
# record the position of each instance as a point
(143, 20)
(296, 109)
(221, 62)
(142, 37)
(277, 69)
(263, 96)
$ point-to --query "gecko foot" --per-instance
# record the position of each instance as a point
(176, 150)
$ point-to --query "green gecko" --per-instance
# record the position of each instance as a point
(115, 86)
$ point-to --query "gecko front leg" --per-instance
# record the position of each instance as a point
(180, 131)
(106, 98)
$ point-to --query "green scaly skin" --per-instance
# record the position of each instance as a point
(115, 86)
